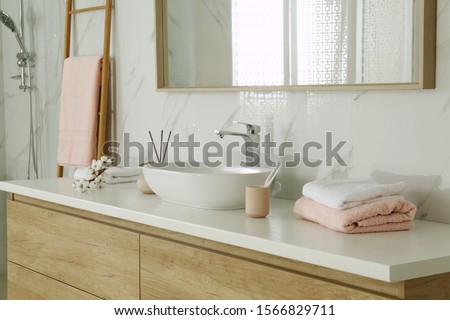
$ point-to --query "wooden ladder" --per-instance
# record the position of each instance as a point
(103, 104)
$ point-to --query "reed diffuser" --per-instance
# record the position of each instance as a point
(163, 147)
(161, 156)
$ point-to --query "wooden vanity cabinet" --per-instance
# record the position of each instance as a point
(59, 252)
(93, 257)
(24, 284)
(172, 270)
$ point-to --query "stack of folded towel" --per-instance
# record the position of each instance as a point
(113, 175)
(356, 206)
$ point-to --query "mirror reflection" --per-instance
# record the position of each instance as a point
(227, 43)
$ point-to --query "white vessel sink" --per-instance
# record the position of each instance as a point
(203, 187)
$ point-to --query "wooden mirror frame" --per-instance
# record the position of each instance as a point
(425, 61)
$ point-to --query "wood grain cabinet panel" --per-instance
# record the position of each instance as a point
(58, 252)
(24, 284)
(171, 270)
(94, 257)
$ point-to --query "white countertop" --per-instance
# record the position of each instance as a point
(391, 256)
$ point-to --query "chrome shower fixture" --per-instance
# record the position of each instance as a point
(9, 23)
(24, 60)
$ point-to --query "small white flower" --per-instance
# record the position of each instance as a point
(84, 183)
(94, 176)
(79, 186)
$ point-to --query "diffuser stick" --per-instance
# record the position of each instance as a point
(161, 147)
(167, 145)
(154, 147)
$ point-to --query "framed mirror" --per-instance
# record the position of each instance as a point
(239, 45)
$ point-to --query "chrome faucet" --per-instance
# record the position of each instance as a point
(251, 138)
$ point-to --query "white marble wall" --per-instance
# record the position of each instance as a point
(2, 169)
(392, 135)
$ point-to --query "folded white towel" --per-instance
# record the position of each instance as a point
(117, 180)
(115, 172)
(346, 194)
(122, 175)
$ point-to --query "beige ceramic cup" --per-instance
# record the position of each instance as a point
(257, 201)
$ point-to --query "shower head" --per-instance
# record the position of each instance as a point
(9, 23)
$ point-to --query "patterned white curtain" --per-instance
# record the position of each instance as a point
(290, 42)
(387, 41)
(327, 42)
(323, 41)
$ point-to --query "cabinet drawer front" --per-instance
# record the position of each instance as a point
(91, 256)
(174, 271)
(24, 284)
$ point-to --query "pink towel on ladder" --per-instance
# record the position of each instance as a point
(79, 110)
(385, 215)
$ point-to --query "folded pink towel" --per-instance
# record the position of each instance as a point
(388, 215)
(79, 109)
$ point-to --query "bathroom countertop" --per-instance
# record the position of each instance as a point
(391, 257)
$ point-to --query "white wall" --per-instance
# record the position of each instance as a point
(392, 135)
(2, 166)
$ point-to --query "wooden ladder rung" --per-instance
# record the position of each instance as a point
(87, 9)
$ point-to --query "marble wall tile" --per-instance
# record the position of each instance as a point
(443, 24)
(2, 113)
(2, 165)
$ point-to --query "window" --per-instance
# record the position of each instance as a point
(308, 42)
